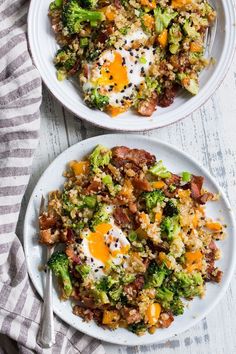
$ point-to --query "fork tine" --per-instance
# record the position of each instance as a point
(42, 204)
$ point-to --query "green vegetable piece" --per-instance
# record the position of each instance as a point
(74, 16)
(174, 38)
(84, 42)
(128, 278)
(107, 180)
(89, 4)
(55, 5)
(106, 283)
(83, 270)
(153, 198)
(61, 75)
(100, 216)
(155, 276)
(132, 236)
(90, 201)
(170, 227)
(59, 264)
(190, 31)
(96, 100)
(186, 176)
(100, 157)
(116, 293)
(189, 83)
(137, 328)
(177, 307)
(163, 18)
(142, 60)
(165, 295)
(160, 170)
(124, 30)
(187, 285)
(170, 208)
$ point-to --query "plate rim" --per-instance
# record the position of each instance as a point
(207, 174)
(218, 76)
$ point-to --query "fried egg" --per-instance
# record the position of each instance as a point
(119, 72)
(107, 244)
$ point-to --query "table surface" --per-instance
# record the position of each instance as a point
(209, 135)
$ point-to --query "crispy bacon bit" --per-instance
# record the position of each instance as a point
(133, 207)
(67, 236)
(168, 96)
(142, 184)
(131, 315)
(94, 186)
(205, 197)
(49, 237)
(148, 106)
(165, 320)
(174, 179)
(85, 313)
(46, 221)
(122, 155)
(75, 68)
(71, 254)
(117, 4)
(121, 216)
(196, 184)
(131, 290)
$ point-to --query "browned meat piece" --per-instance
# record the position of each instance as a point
(142, 184)
(174, 179)
(121, 216)
(85, 313)
(67, 236)
(133, 207)
(131, 315)
(46, 221)
(131, 290)
(205, 197)
(168, 96)
(75, 68)
(165, 320)
(196, 187)
(122, 155)
(148, 106)
(212, 273)
(72, 255)
(94, 186)
(117, 4)
(49, 237)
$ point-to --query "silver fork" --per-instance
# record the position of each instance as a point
(46, 335)
(210, 35)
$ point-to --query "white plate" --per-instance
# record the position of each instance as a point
(43, 48)
(175, 161)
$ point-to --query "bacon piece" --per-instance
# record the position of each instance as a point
(148, 106)
(94, 186)
(133, 207)
(47, 221)
(142, 184)
(168, 96)
(165, 319)
(212, 273)
(49, 237)
(131, 315)
(117, 4)
(122, 155)
(121, 216)
(85, 313)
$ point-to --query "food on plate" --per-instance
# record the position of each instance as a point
(131, 54)
(138, 244)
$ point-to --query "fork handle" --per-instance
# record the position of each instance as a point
(46, 336)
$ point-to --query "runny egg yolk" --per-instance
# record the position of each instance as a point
(96, 242)
(114, 73)
(97, 246)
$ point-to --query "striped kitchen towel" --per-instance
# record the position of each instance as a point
(20, 97)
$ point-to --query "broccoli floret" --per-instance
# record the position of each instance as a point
(187, 285)
(175, 36)
(100, 216)
(116, 293)
(128, 278)
(96, 100)
(55, 5)
(83, 270)
(190, 31)
(59, 264)
(170, 227)
(189, 83)
(153, 198)
(160, 170)
(113, 188)
(163, 18)
(106, 283)
(64, 61)
(177, 307)
(100, 157)
(186, 176)
(155, 276)
(165, 296)
(137, 328)
(73, 16)
(88, 4)
(170, 208)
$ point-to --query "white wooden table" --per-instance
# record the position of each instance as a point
(210, 136)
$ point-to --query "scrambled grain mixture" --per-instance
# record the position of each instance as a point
(137, 239)
(131, 54)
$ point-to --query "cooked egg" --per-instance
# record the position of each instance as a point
(107, 244)
(119, 72)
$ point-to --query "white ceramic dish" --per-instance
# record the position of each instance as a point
(176, 161)
(43, 48)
